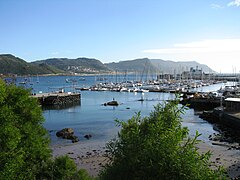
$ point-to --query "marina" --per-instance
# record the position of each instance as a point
(94, 95)
(85, 105)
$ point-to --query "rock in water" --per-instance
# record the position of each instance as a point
(111, 103)
(88, 136)
(75, 139)
(67, 133)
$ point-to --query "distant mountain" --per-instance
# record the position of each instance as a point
(14, 65)
(79, 65)
(180, 66)
(146, 65)
(138, 65)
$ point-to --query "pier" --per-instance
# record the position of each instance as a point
(57, 98)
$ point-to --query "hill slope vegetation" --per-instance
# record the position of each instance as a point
(79, 65)
(10, 64)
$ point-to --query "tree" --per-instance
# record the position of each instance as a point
(24, 143)
(24, 146)
(157, 147)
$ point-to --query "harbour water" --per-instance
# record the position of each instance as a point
(91, 117)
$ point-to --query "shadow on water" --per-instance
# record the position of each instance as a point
(60, 107)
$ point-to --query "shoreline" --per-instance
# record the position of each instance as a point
(222, 154)
(90, 155)
(87, 155)
(66, 74)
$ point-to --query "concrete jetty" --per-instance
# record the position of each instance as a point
(61, 98)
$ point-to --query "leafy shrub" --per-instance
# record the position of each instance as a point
(24, 146)
(63, 168)
(24, 143)
(157, 147)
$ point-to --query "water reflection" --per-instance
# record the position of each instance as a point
(62, 106)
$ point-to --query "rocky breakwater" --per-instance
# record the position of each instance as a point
(67, 133)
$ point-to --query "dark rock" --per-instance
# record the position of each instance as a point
(111, 103)
(88, 136)
(67, 133)
(89, 154)
(75, 139)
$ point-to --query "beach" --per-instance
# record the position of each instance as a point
(90, 155)
(86, 155)
(223, 154)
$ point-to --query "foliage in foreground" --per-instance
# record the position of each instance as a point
(63, 168)
(24, 143)
(157, 147)
(23, 140)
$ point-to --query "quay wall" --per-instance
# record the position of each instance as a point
(46, 99)
(227, 118)
(201, 103)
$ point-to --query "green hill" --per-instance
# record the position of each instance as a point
(79, 65)
(14, 65)
(10, 64)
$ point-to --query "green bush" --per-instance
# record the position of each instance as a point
(24, 146)
(63, 168)
(24, 143)
(157, 147)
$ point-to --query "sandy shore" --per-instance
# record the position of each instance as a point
(87, 155)
(223, 154)
(90, 155)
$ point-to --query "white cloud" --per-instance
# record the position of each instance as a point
(216, 6)
(219, 54)
(205, 46)
(234, 3)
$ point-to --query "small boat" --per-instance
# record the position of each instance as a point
(70, 80)
(82, 79)
(37, 79)
(23, 82)
(140, 90)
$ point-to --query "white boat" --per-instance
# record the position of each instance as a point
(140, 90)
(23, 82)
(82, 79)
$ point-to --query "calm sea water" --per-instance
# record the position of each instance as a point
(91, 117)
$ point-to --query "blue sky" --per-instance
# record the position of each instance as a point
(206, 31)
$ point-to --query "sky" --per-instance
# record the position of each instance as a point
(206, 31)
